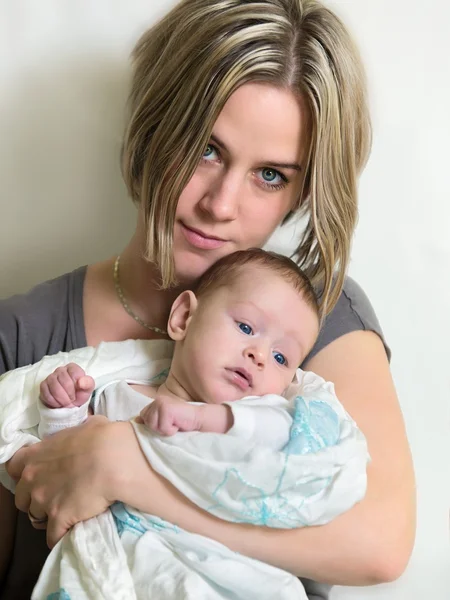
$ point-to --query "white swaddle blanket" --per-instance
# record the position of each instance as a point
(286, 462)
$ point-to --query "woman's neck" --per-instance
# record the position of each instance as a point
(140, 281)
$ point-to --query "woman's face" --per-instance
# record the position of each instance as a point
(247, 180)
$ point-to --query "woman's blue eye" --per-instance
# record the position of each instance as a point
(245, 328)
(210, 153)
(269, 175)
(271, 178)
(281, 360)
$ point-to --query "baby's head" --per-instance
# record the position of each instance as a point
(250, 323)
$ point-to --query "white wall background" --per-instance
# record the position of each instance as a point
(63, 84)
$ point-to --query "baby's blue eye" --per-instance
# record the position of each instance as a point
(281, 360)
(245, 328)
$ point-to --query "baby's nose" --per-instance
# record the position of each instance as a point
(256, 355)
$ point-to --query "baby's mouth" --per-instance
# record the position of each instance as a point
(241, 377)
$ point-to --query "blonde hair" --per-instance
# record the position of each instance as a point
(185, 69)
(229, 267)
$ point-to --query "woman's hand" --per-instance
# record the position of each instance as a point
(78, 473)
(70, 476)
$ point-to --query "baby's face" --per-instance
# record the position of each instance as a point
(246, 339)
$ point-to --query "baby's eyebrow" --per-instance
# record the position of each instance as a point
(292, 339)
(249, 304)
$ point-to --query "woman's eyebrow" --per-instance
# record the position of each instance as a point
(270, 163)
(294, 166)
(218, 141)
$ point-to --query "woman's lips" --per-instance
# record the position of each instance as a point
(201, 240)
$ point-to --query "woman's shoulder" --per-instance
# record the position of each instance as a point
(46, 319)
(353, 312)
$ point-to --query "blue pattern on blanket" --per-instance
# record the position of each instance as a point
(315, 426)
(61, 594)
(127, 521)
(160, 377)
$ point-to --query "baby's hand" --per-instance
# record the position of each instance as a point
(167, 415)
(66, 387)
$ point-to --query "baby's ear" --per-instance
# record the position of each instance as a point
(181, 314)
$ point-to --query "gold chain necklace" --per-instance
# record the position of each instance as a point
(124, 302)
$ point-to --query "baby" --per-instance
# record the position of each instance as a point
(259, 441)
(244, 332)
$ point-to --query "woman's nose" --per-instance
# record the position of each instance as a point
(221, 200)
(256, 355)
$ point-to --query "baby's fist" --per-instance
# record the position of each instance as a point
(66, 387)
(167, 415)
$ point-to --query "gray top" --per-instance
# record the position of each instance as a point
(49, 319)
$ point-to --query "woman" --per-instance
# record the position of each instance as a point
(241, 113)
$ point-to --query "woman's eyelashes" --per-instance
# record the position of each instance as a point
(272, 179)
(210, 154)
(266, 177)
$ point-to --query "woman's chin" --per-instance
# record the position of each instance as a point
(189, 267)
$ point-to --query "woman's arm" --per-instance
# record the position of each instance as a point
(377, 534)
(369, 544)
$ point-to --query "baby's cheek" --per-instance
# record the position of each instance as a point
(223, 393)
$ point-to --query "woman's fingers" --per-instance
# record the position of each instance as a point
(56, 528)
(16, 463)
(27, 502)
(67, 476)
(23, 495)
(73, 475)
(38, 522)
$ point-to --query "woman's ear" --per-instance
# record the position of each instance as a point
(181, 314)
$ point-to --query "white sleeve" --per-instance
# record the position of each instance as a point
(52, 420)
(264, 420)
(140, 360)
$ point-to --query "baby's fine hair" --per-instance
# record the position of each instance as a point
(185, 69)
(226, 270)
